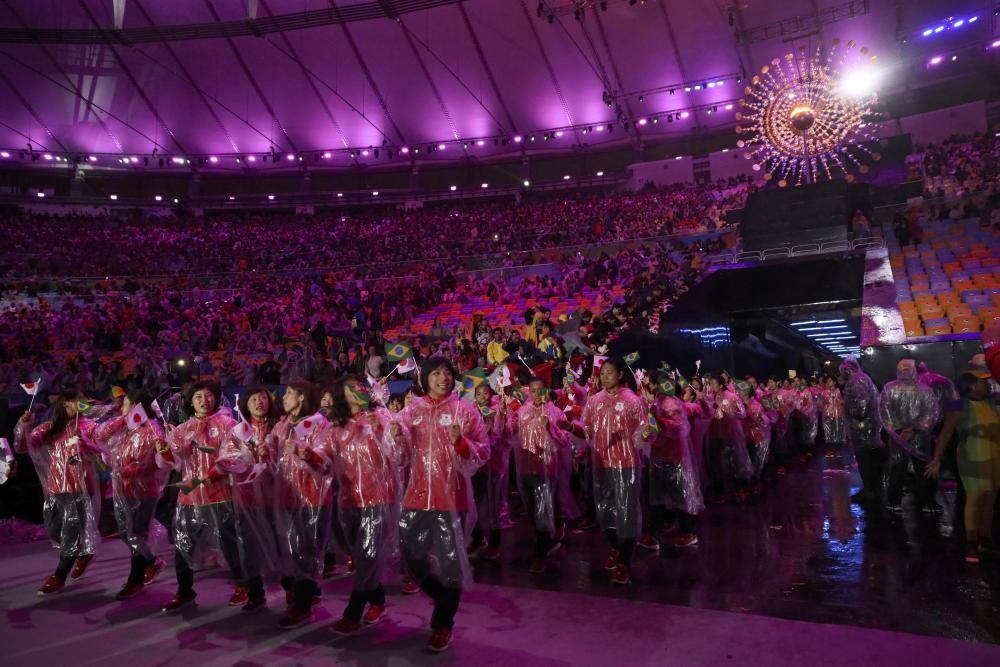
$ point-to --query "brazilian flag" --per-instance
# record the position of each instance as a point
(486, 411)
(632, 359)
(666, 387)
(473, 379)
(396, 352)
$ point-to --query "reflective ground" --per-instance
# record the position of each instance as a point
(803, 552)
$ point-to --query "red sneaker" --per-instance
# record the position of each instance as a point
(345, 626)
(780, 470)
(440, 640)
(350, 565)
(648, 542)
(295, 618)
(52, 585)
(129, 590)
(240, 596)
(612, 562)
(491, 553)
(180, 601)
(374, 614)
(409, 586)
(254, 605)
(152, 571)
(619, 576)
(80, 566)
(685, 540)
(537, 566)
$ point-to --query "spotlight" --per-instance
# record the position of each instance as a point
(404, 150)
(527, 184)
(374, 193)
(600, 173)
(114, 197)
(642, 121)
(157, 198)
(270, 197)
(599, 128)
(935, 60)
(4, 154)
(484, 185)
(480, 143)
(252, 158)
(364, 153)
(517, 138)
(559, 133)
(453, 188)
(441, 147)
(327, 155)
(340, 194)
(289, 157)
(213, 159)
(566, 177)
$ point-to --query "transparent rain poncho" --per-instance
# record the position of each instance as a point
(204, 504)
(907, 405)
(540, 461)
(674, 481)
(942, 387)
(302, 500)
(728, 457)
(490, 482)
(65, 467)
(136, 480)
(364, 457)
(808, 413)
(861, 399)
(438, 510)
(614, 424)
(247, 455)
(758, 431)
(834, 416)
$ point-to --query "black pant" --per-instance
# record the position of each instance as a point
(67, 520)
(432, 538)
(358, 600)
(659, 515)
(303, 590)
(137, 568)
(198, 520)
(871, 461)
(925, 489)
(623, 547)
(134, 517)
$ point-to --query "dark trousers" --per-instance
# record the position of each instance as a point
(134, 516)
(199, 520)
(871, 462)
(66, 516)
(356, 604)
(303, 590)
(137, 568)
(623, 547)
(433, 548)
(925, 489)
(659, 515)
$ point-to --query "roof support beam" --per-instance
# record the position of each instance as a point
(486, 66)
(253, 81)
(135, 83)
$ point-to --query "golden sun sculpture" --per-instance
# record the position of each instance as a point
(805, 119)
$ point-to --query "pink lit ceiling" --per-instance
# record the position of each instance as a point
(416, 73)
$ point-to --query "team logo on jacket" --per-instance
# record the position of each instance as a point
(445, 420)
(619, 407)
(418, 420)
(213, 433)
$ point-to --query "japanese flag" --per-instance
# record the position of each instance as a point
(31, 389)
(308, 426)
(243, 432)
(136, 417)
(599, 360)
(407, 365)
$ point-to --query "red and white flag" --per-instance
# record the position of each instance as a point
(308, 426)
(136, 417)
(407, 365)
(599, 360)
(243, 432)
(31, 389)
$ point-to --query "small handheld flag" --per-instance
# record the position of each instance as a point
(136, 417)
(666, 387)
(396, 352)
(363, 398)
(31, 389)
(83, 406)
(205, 449)
(742, 386)
(632, 358)
(652, 425)
(243, 432)
(599, 360)
(486, 411)
(117, 392)
(188, 487)
(308, 426)
(473, 379)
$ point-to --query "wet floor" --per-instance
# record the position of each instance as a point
(802, 552)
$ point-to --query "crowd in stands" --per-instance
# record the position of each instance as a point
(312, 320)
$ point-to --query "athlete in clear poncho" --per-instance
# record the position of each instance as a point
(909, 412)
(861, 399)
